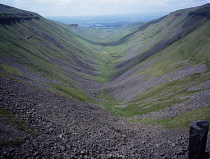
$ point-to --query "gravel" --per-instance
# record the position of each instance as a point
(196, 100)
(133, 86)
(69, 129)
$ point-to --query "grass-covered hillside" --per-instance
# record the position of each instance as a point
(163, 72)
(151, 72)
(39, 52)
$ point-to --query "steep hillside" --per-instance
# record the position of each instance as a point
(39, 52)
(54, 77)
(165, 67)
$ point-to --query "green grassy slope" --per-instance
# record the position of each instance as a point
(161, 66)
(158, 71)
(38, 50)
(159, 35)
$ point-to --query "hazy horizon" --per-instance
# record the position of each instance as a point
(73, 8)
(122, 19)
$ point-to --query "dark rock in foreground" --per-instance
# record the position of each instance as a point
(198, 139)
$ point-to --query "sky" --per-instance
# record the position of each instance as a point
(101, 7)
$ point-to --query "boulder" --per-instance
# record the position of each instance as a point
(197, 139)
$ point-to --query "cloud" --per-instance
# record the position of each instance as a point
(8, 2)
(94, 7)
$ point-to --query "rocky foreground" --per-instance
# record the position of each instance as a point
(69, 129)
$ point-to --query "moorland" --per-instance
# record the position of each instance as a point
(127, 92)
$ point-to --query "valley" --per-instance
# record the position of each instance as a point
(128, 92)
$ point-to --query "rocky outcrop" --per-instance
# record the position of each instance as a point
(198, 139)
(204, 11)
(10, 15)
(11, 20)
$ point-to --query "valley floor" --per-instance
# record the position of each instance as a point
(69, 129)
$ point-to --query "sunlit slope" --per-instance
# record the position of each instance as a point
(165, 67)
(44, 54)
(159, 34)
